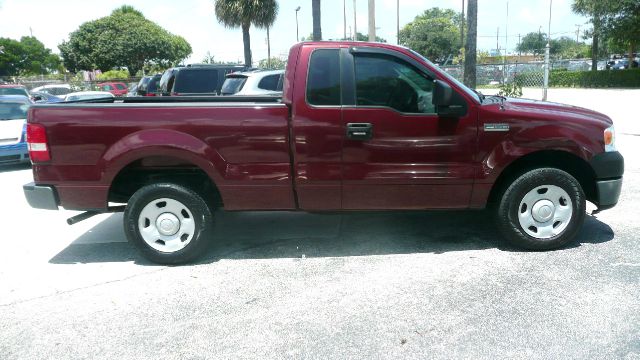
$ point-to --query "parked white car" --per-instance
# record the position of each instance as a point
(85, 95)
(58, 90)
(258, 82)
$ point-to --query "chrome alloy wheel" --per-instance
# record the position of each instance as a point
(166, 225)
(545, 211)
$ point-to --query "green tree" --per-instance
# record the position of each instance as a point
(244, 13)
(622, 24)
(362, 37)
(435, 33)
(596, 10)
(470, 59)
(124, 39)
(274, 64)
(568, 48)
(533, 43)
(28, 56)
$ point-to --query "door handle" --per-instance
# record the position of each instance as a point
(359, 131)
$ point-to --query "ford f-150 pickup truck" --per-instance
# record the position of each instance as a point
(360, 126)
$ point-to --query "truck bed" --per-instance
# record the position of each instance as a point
(240, 143)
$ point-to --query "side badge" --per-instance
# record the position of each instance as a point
(496, 127)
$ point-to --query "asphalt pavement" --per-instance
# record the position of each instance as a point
(411, 285)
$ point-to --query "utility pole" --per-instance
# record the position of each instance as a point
(578, 32)
(372, 20)
(547, 63)
(355, 27)
(498, 41)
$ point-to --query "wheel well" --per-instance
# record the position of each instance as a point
(562, 160)
(156, 169)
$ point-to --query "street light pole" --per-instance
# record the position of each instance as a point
(297, 35)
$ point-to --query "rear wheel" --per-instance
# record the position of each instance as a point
(542, 209)
(168, 223)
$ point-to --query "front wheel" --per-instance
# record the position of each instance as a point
(542, 209)
(168, 223)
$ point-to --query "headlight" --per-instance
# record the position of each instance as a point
(610, 139)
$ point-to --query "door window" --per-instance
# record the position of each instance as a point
(383, 80)
(323, 81)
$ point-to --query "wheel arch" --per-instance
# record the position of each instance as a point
(559, 159)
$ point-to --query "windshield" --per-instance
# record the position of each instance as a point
(13, 111)
(232, 85)
(152, 86)
(14, 91)
(462, 86)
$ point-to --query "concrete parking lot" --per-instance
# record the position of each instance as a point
(359, 285)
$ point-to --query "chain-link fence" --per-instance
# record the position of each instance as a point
(530, 74)
(77, 83)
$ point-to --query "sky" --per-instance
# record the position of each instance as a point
(52, 21)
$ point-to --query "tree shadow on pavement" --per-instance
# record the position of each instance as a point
(267, 235)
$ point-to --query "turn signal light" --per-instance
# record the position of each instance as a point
(610, 139)
(37, 143)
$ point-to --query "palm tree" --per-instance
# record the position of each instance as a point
(470, 47)
(244, 13)
(317, 29)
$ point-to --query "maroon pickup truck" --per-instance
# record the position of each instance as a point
(360, 126)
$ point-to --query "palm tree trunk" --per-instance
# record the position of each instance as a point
(470, 58)
(317, 30)
(246, 39)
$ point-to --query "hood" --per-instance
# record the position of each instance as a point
(11, 131)
(555, 111)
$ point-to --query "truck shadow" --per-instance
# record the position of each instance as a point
(14, 167)
(267, 235)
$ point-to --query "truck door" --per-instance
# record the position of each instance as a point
(397, 152)
(316, 129)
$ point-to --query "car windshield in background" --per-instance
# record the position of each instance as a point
(87, 97)
(232, 85)
(57, 90)
(13, 91)
(197, 81)
(13, 111)
(152, 86)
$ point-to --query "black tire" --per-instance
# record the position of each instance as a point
(510, 207)
(197, 239)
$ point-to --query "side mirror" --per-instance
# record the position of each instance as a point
(442, 93)
(447, 102)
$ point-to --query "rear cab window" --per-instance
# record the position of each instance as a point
(323, 79)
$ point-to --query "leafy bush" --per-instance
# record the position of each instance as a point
(595, 79)
(512, 89)
(114, 75)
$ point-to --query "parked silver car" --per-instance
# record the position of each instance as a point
(258, 82)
